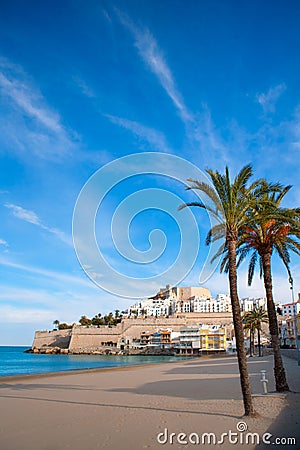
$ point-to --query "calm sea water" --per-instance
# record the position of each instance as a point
(13, 361)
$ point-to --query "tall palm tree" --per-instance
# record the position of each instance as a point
(270, 228)
(249, 326)
(253, 321)
(231, 201)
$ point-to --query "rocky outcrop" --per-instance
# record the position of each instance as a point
(45, 350)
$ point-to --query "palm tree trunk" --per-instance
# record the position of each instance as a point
(251, 343)
(239, 333)
(258, 341)
(279, 372)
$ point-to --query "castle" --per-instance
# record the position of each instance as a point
(183, 320)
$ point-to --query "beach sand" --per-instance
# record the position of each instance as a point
(127, 408)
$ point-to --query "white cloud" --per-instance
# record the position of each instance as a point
(155, 138)
(62, 296)
(268, 100)
(23, 214)
(219, 283)
(200, 129)
(28, 123)
(106, 15)
(84, 87)
(32, 217)
(204, 133)
(56, 277)
(3, 242)
(152, 56)
(18, 315)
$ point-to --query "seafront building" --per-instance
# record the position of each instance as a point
(202, 339)
(185, 320)
(289, 325)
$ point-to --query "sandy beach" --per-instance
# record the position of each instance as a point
(128, 408)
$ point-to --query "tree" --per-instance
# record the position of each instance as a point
(231, 202)
(64, 326)
(56, 323)
(134, 313)
(143, 312)
(84, 321)
(249, 326)
(270, 228)
(97, 320)
(109, 319)
(253, 320)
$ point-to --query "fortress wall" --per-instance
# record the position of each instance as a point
(81, 337)
(59, 338)
(92, 341)
(92, 337)
(210, 318)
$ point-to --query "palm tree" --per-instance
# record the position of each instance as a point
(56, 323)
(250, 327)
(109, 319)
(85, 321)
(253, 320)
(270, 228)
(143, 312)
(231, 201)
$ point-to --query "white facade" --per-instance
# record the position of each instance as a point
(152, 307)
(172, 300)
(190, 336)
(184, 306)
(288, 309)
(219, 304)
(248, 304)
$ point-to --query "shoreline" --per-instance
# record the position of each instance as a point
(104, 369)
(107, 369)
(80, 371)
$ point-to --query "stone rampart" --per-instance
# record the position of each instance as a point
(59, 338)
(83, 338)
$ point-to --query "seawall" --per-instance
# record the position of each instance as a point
(82, 339)
(59, 338)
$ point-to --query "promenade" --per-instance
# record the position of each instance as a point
(127, 408)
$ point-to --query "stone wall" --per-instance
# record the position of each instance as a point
(59, 338)
(83, 338)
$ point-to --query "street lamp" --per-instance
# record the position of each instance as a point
(291, 281)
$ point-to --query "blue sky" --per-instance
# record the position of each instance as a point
(82, 84)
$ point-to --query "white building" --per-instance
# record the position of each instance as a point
(175, 300)
(288, 309)
(220, 304)
(184, 306)
(248, 304)
(190, 337)
(193, 339)
(151, 307)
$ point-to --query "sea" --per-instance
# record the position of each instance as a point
(14, 361)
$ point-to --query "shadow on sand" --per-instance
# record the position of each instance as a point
(286, 425)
